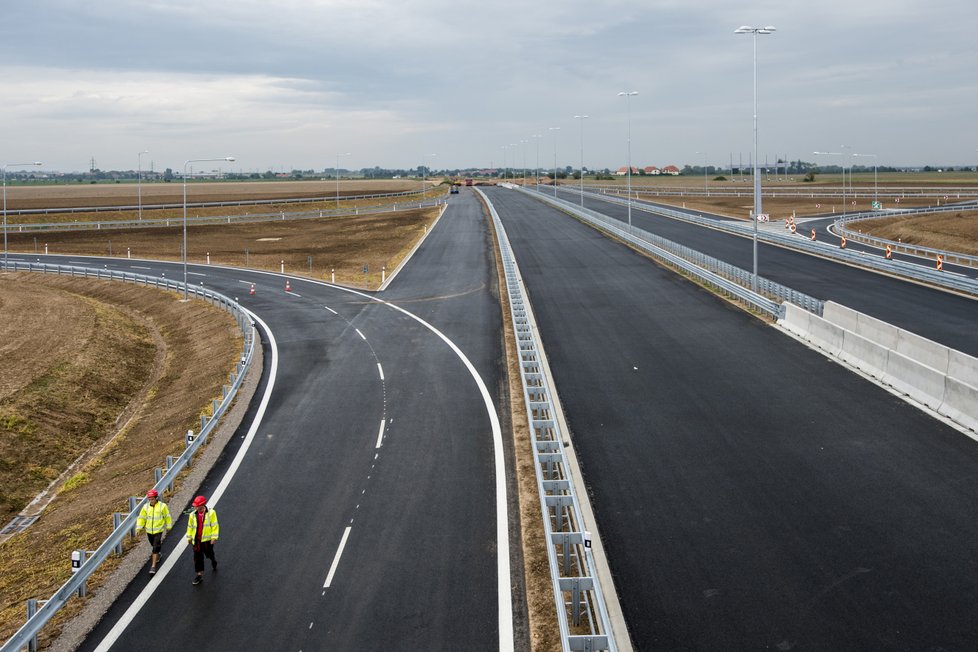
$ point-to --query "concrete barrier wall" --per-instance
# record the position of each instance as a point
(944, 380)
(960, 403)
(864, 354)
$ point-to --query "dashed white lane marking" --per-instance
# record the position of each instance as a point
(331, 310)
(293, 294)
(246, 282)
(380, 435)
(381, 370)
(361, 335)
(336, 559)
(196, 274)
(139, 267)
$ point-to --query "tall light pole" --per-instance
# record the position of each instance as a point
(627, 95)
(139, 180)
(754, 31)
(842, 154)
(582, 118)
(424, 174)
(876, 186)
(337, 174)
(524, 142)
(185, 165)
(537, 138)
(706, 186)
(555, 130)
(4, 171)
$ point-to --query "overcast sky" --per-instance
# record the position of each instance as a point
(286, 84)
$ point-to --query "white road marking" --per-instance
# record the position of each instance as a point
(139, 267)
(294, 294)
(362, 336)
(380, 435)
(381, 370)
(331, 310)
(336, 559)
(246, 282)
(171, 560)
(196, 274)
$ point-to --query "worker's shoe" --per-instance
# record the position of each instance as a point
(152, 571)
(197, 579)
(214, 565)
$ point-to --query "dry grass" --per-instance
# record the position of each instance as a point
(345, 244)
(189, 360)
(949, 231)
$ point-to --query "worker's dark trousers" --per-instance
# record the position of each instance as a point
(206, 549)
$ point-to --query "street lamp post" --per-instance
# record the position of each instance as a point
(842, 154)
(139, 180)
(582, 118)
(754, 31)
(3, 169)
(185, 165)
(555, 130)
(524, 142)
(537, 138)
(627, 95)
(706, 185)
(876, 186)
(337, 174)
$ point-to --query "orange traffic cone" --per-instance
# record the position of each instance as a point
(288, 286)
(252, 290)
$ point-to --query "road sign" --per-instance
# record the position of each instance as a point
(763, 217)
(877, 205)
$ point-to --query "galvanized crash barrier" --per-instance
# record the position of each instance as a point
(581, 612)
(84, 562)
(842, 227)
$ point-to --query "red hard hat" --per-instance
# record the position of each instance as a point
(152, 493)
(199, 500)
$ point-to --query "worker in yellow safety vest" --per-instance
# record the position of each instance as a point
(202, 532)
(154, 517)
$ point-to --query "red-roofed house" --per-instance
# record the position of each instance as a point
(652, 170)
(670, 169)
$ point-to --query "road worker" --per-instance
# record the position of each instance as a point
(202, 531)
(154, 517)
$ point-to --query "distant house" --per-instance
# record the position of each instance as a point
(652, 170)
(623, 171)
(670, 169)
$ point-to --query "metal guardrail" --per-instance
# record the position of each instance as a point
(841, 227)
(789, 191)
(579, 600)
(205, 204)
(799, 242)
(26, 635)
(732, 281)
(216, 219)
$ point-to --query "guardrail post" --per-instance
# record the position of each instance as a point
(133, 501)
(203, 422)
(31, 610)
(158, 474)
(214, 405)
(169, 465)
(77, 560)
(566, 546)
(116, 522)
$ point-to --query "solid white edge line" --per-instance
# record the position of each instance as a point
(381, 370)
(380, 435)
(171, 560)
(336, 559)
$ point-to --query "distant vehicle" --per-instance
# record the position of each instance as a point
(454, 190)
(468, 182)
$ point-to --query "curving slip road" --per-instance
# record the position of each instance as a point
(370, 511)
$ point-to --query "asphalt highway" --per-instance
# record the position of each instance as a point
(365, 514)
(751, 494)
(945, 318)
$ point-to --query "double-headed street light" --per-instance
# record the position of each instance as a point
(3, 169)
(582, 118)
(337, 171)
(537, 138)
(139, 180)
(555, 130)
(627, 95)
(185, 166)
(754, 31)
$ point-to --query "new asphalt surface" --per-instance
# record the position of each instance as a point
(939, 316)
(410, 525)
(751, 494)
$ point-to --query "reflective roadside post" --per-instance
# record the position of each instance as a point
(185, 166)
(754, 31)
